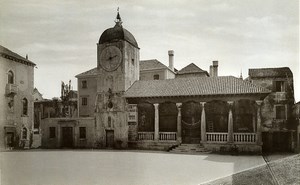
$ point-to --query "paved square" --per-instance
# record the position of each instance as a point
(56, 167)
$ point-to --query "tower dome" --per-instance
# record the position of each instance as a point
(117, 33)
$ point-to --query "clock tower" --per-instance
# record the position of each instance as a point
(118, 69)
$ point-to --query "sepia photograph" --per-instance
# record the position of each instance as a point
(174, 92)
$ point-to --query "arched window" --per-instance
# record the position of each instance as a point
(25, 106)
(10, 77)
(24, 133)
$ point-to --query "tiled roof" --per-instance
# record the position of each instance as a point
(191, 68)
(195, 86)
(270, 72)
(151, 64)
(6, 53)
(90, 72)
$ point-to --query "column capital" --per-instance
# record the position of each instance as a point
(203, 103)
(230, 102)
(258, 102)
(156, 105)
(178, 105)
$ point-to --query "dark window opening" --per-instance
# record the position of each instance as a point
(82, 132)
(280, 112)
(279, 86)
(132, 62)
(156, 77)
(84, 101)
(10, 76)
(25, 106)
(84, 84)
(52, 132)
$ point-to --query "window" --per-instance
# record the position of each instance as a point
(84, 101)
(280, 112)
(24, 133)
(10, 77)
(82, 132)
(25, 106)
(84, 84)
(156, 77)
(52, 132)
(109, 121)
(279, 86)
(132, 62)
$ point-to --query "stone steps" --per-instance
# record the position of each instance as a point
(190, 149)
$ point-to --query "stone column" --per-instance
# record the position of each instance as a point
(156, 122)
(258, 129)
(230, 122)
(179, 139)
(203, 123)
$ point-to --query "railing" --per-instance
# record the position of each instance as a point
(11, 89)
(167, 136)
(218, 137)
(145, 135)
(244, 137)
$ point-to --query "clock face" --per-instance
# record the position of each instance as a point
(110, 58)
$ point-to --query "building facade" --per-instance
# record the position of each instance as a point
(278, 122)
(16, 112)
(159, 111)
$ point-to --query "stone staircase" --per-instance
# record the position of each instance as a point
(190, 149)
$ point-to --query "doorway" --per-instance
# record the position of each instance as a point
(10, 139)
(109, 138)
(67, 137)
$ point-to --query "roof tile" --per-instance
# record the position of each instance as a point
(193, 86)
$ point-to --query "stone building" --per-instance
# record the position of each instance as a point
(16, 102)
(167, 108)
(278, 125)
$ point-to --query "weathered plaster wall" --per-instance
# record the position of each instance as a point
(89, 93)
(13, 117)
(58, 123)
(149, 74)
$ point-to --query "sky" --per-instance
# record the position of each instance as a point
(60, 36)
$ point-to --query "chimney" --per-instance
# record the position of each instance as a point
(215, 68)
(171, 59)
(211, 71)
(26, 56)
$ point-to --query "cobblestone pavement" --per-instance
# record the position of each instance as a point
(281, 169)
(56, 167)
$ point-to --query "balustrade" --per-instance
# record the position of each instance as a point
(145, 136)
(218, 137)
(244, 137)
(167, 136)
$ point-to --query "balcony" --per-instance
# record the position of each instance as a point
(11, 89)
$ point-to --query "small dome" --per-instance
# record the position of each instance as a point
(117, 33)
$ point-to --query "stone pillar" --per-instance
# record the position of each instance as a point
(156, 122)
(179, 139)
(203, 123)
(230, 122)
(258, 128)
